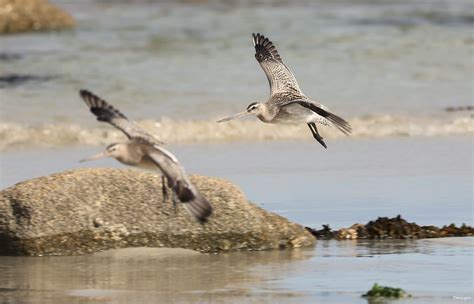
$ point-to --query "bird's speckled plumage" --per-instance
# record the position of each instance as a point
(143, 150)
(280, 78)
(287, 104)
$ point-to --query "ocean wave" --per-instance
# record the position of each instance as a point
(14, 135)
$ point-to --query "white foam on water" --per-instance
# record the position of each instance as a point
(15, 135)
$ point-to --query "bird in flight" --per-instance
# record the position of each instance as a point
(287, 104)
(144, 150)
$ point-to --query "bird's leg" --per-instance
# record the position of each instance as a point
(316, 135)
(175, 201)
(164, 189)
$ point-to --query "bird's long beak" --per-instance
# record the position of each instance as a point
(97, 156)
(244, 113)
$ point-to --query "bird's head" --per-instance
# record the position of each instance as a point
(114, 150)
(255, 108)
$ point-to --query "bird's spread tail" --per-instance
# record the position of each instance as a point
(321, 110)
(199, 207)
(340, 123)
(196, 204)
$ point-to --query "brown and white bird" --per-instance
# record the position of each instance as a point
(287, 104)
(144, 150)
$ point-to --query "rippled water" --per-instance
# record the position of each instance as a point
(402, 60)
(433, 271)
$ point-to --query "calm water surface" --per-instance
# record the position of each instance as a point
(332, 272)
(427, 180)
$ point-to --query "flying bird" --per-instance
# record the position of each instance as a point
(144, 150)
(287, 104)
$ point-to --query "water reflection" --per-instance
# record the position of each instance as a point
(331, 272)
(369, 248)
(147, 278)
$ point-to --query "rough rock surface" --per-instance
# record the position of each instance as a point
(89, 210)
(32, 15)
(391, 228)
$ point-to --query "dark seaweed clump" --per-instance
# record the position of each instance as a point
(324, 234)
(391, 228)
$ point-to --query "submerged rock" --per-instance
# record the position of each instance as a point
(391, 228)
(90, 210)
(32, 15)
(10, 80)
(459, 108)
(10, 56)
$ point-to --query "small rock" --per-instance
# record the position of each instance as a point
(347, 234)
(32, 15)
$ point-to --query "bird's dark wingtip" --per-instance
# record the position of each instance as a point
(255, 38)
(84, 92)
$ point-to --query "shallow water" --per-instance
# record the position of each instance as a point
(430, 271)
(427, 180)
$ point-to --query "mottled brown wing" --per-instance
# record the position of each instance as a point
(107, 113)
(278, 74)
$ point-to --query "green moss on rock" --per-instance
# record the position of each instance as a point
(378, 291)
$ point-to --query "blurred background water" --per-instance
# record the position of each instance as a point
(400, 62)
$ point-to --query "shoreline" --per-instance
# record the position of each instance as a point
(18, 136)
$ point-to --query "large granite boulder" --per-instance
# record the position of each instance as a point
(32, 15)
(89, 210)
